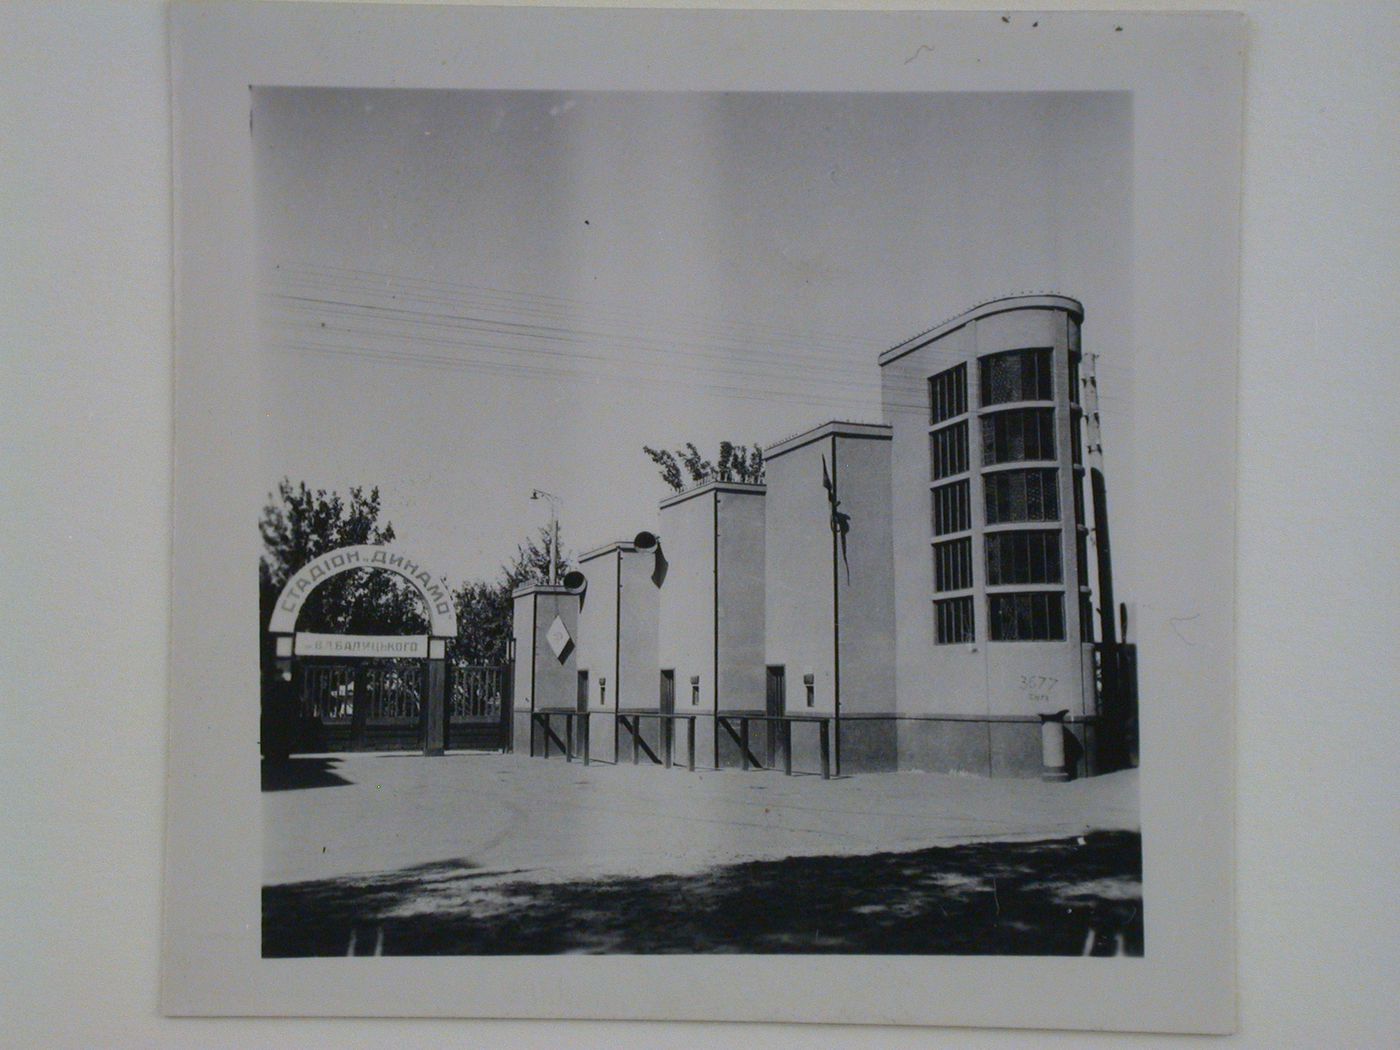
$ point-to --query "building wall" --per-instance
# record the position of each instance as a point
(974, 706)
(806, 585)
(865, 736)
(522, 671)
(741, 587)
(686, 625)
(639, 610)
(638, 677)
(686, 630)
(712, 537)
(799, 621)
(865, 577)
(542, 679)
(597, 647)
(618, 627)
(739, 659)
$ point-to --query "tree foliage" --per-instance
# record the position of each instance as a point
(484, 609)
(298, 525)
(686, 466)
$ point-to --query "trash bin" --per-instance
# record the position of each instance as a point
(1052, 747)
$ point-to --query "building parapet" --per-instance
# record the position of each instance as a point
(608, 548)
(1037, 300)
(540, 588)
(714, 485)
(836, 427)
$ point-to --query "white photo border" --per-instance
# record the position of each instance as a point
(1185, 75)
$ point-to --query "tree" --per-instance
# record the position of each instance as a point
(685, 466)
(298, 525)
(484, 610)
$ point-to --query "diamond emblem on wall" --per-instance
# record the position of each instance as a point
(558, 637)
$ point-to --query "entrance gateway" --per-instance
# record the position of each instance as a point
(333, 692)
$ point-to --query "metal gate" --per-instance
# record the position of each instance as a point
(377, 705)
(478, 706)
(359, 705)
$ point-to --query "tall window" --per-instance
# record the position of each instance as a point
(952, 565)
(952, 508)
(1023, 557)
(1021, 495)
(1018, 434)
(1037, 616)
(953, 621)
(948, 450)
(1016, 375)
(947, 394)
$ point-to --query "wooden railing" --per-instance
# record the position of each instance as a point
(785, 723)
(666, 723)
(544, 718)
(576, 735)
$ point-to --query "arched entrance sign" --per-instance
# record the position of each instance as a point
(442, 616)
(442, 626)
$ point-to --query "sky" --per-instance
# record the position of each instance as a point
(467, 295)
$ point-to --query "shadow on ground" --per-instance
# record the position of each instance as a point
(1060, 897)
(293, 774)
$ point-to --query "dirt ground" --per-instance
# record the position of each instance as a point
(498, 854)
(550, 820)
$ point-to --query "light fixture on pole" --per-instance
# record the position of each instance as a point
(553, 500)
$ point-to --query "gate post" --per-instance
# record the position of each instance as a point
(279, 702)
(434, 713)
(359, 704)
(505, 678)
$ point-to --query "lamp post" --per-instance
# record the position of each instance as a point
(553, 501)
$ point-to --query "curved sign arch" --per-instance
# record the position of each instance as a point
(442, 614)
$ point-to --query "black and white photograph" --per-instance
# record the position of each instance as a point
(711, 490)
(773, 527)
(753, 508)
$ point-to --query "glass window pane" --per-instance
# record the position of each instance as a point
(1037, 616)
(948, 394)
(952, 511)
(1016, 375)
(1018, 434)
(953, 565)
(948, 451)
(953, 622)
(1023, 557)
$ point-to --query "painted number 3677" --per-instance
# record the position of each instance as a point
(1038, 686)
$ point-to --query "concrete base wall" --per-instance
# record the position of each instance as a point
(1015, 749)
(984, 748)
(868, 745)
(520, 732)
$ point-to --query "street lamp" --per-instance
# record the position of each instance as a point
(553, 500)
